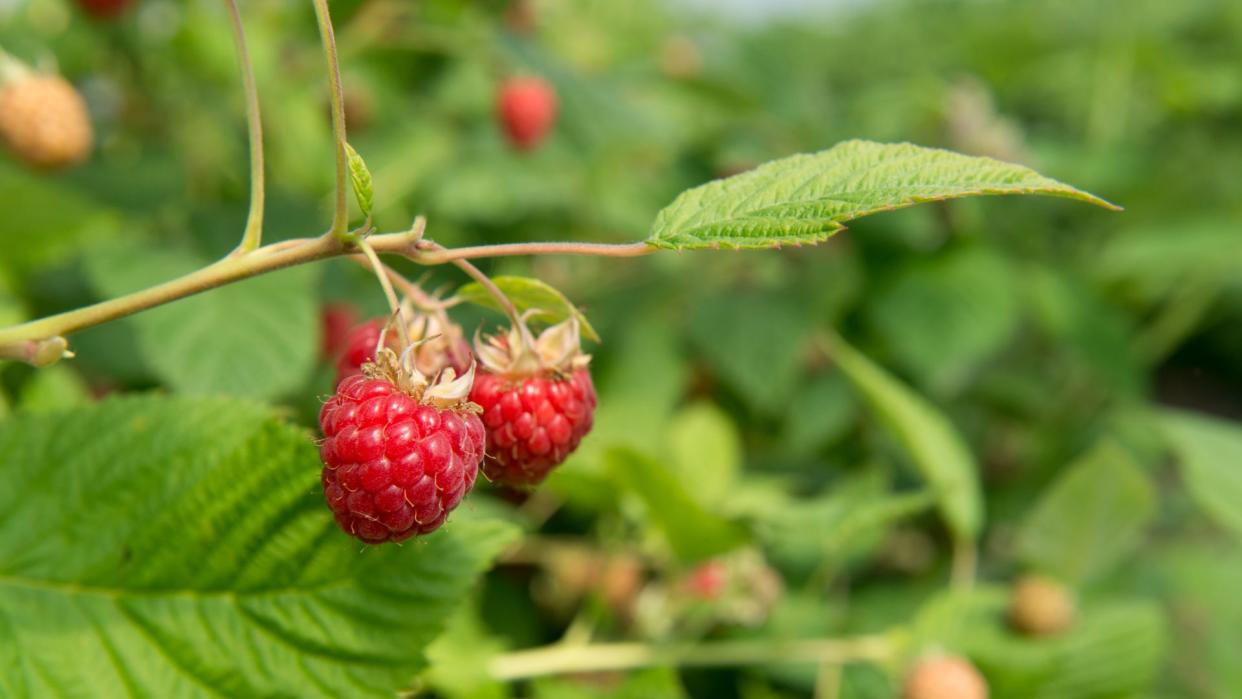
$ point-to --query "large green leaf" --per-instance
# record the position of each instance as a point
(1210, 453)
(926, 435)
(529, 294)
(807, 198)
(178, 547)
(256, 338)
(1090, 517)
(705, 451)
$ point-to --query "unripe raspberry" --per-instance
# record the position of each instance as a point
(104, 9)
(526, 107)
(708, 580)
(398, 454)
(442, 346)
(944, 677)
(44, 121)
(1040, 606)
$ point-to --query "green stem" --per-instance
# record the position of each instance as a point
(563, 659)
(442, 255)
(253, 235)
(340, 217)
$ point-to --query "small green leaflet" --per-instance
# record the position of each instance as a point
(360, 177)
(805, 199)
(529, 294)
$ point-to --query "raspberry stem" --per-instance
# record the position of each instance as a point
(340, 217)
(564, 659)
(253, 235)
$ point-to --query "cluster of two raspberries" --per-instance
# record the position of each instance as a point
(413, 420)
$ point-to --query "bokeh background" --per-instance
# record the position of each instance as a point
(1057, 338)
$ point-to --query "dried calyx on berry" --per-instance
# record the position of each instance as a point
(400, 449)
(538, 401)
(43, 119)
(440, 344)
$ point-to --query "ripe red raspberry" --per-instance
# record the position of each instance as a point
(945, 677)
(538, 402)
(395, 466)
(533, 423)
(448, 349)
(104, 9)
(336, 323)
(526, 107)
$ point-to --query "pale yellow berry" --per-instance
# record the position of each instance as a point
(43, 121)
(1040, 606)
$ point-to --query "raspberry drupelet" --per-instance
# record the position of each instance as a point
(537, 405)
(399, 454)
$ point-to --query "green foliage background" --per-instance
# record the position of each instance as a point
(1079, 367)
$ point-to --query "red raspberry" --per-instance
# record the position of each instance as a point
(361, 343)
(394, 467)
(104, 9)
(709, 580)
(336, 322)
(533, 423)
(527, 109)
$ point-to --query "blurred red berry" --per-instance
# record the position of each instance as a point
(708, 580)
(336, 320)
(526, 107)
(447, 349)
(104, 9)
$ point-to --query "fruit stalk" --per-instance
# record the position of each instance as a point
(562, 659)
(253, 235)
(340, 216)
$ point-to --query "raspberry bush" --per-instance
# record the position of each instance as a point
(520, 349)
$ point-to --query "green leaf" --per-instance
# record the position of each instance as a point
(823, 411)
(255, 338)
(53, 388)
(1089, 518)
(173, 546)
(1209, 451)
(926, 435)
(942, 317)
(754, 342)
(1115, 651)
(693, 532)
(654, 683)
(526, 294)
(360, 178)
(705, 451)
(807, 198)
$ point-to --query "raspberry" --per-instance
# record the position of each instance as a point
(527, 109)
(1040, 606)
(533, 423)
(336, 323)
(944, 677)
(395, 466)
(445, 346)
(44, 121)
(104, 9)
(708, 580)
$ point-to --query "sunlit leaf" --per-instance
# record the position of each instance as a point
(528, 293)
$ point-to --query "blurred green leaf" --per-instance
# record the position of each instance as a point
(806, 198)
(657, 683)
(1115, 651)
(254, 338)
(926, 435)
(53, 388)
(822, 412)
(705, 451)
(457, 660)
(693, 532)
(941, 317)
(360, 178)
(188, 552)
(1209, 451)
(755, 342)
(1091, 517)
(528, 293)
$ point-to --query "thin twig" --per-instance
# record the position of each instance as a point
(253, 235)
(563, 659)
(435, 257)
(340, 217)
(381, 273)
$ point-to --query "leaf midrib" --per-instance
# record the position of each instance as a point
(73, 588)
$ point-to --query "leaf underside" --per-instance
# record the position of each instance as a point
(805, 199)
